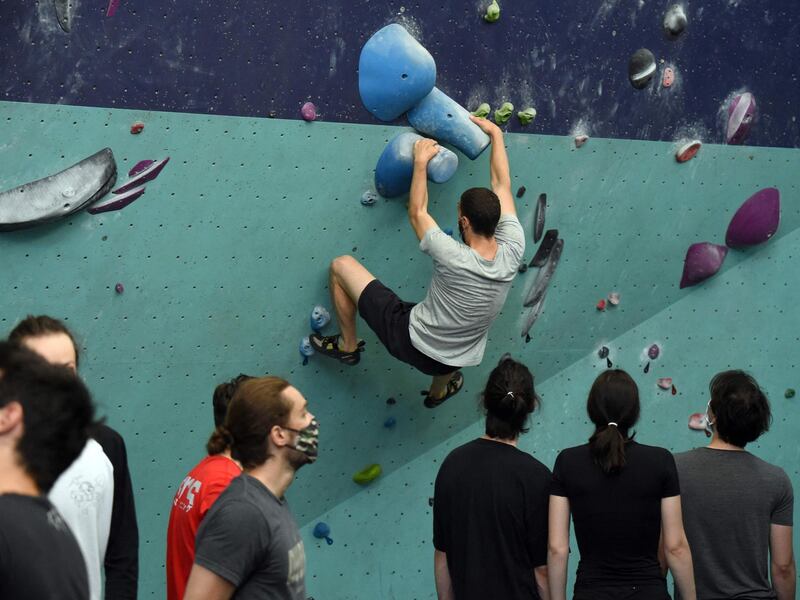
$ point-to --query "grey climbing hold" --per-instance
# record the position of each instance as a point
(641, 68)
(603, 352)
(63, 15)
(543, 252)
(368, 198)
(675, 22)
(42, 201)
(533, 316)
(540, 284)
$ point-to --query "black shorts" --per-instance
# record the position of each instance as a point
(388, 316)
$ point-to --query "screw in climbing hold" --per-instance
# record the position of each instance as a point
(137, 128)
(119, 288)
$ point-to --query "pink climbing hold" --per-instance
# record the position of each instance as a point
(702, 261)
(669, 77)
(309, 111)
(699, 422)
(688, 151)
(665, 383)
(756, 221)
(113, 5)
(741, 114)
(580, 140)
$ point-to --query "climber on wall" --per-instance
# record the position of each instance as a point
(448, 329)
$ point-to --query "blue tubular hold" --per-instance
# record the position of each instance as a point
(441, 117)
(396, 166)
(394, 72)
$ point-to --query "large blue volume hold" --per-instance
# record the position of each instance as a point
(441, 117)
(394, 72)
(395, 166)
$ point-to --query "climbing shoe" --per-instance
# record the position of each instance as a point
(329, 346)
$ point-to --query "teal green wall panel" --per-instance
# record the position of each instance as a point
(224, 256)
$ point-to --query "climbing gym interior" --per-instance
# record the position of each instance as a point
(175, 178)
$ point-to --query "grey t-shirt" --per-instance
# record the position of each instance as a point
(250, 538)
(729, 501)
(466, 294)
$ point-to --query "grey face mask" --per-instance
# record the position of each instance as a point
(307, 440)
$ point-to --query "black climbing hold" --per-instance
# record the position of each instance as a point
(521, 191)
(603, 352)
(430, 501)
(355, 248)
(104, 238)
(789, 393)
(674, 22)
(641, 68)
(609, 364)
(543, 252)
(527, 338)
(522, 267)
(391, 400)
(272, 114)
(647, 367)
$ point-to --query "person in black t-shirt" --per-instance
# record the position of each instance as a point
(490, 502)
(622, 496)
(45, 415)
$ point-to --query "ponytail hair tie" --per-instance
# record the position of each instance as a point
(610, 423)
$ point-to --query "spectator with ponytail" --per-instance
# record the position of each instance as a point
(490, 502)
(622, 496)
(198, 492)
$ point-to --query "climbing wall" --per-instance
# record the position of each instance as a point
(226, 253)
(567, 59)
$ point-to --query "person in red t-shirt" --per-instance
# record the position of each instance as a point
(198, 491)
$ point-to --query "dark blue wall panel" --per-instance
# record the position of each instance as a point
(567, 59)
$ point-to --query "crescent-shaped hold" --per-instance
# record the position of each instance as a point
(539, 285)
(58, 195)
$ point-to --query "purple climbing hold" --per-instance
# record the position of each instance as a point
(117, 202)
(308, 111)
(147, 174)
(741, 113)
(702, 261)
(139, 167)
(521, 191)
(756, 220)
(653, 352)
(119, 288)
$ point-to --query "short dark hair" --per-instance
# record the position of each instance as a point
(482, 207)
(39, 326)
(741, 410)
(508, 399)
(614, 398)
(57, 412)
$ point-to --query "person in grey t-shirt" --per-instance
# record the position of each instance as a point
(737, 508)
(448, 329)
(248, 546)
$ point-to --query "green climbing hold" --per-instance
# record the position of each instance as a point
(526, 116)
(503, 114)
(789, 393)
(482, 111)
(492, 12)
(367, 474)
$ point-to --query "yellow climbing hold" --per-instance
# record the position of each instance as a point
(492, 12)
(526, 116)
(503, 114)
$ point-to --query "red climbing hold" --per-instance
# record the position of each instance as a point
(601, 305)
(669, 77)
(688, 151)
(137, 128)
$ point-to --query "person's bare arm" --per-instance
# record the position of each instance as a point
(206, 585)
(421, 221)
(662, 558)
(498, 166)
(542, 584)
(676, 547)
(444, 587)
(782, 565)
(558, 547)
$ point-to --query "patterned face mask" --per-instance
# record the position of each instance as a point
(307, 440)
